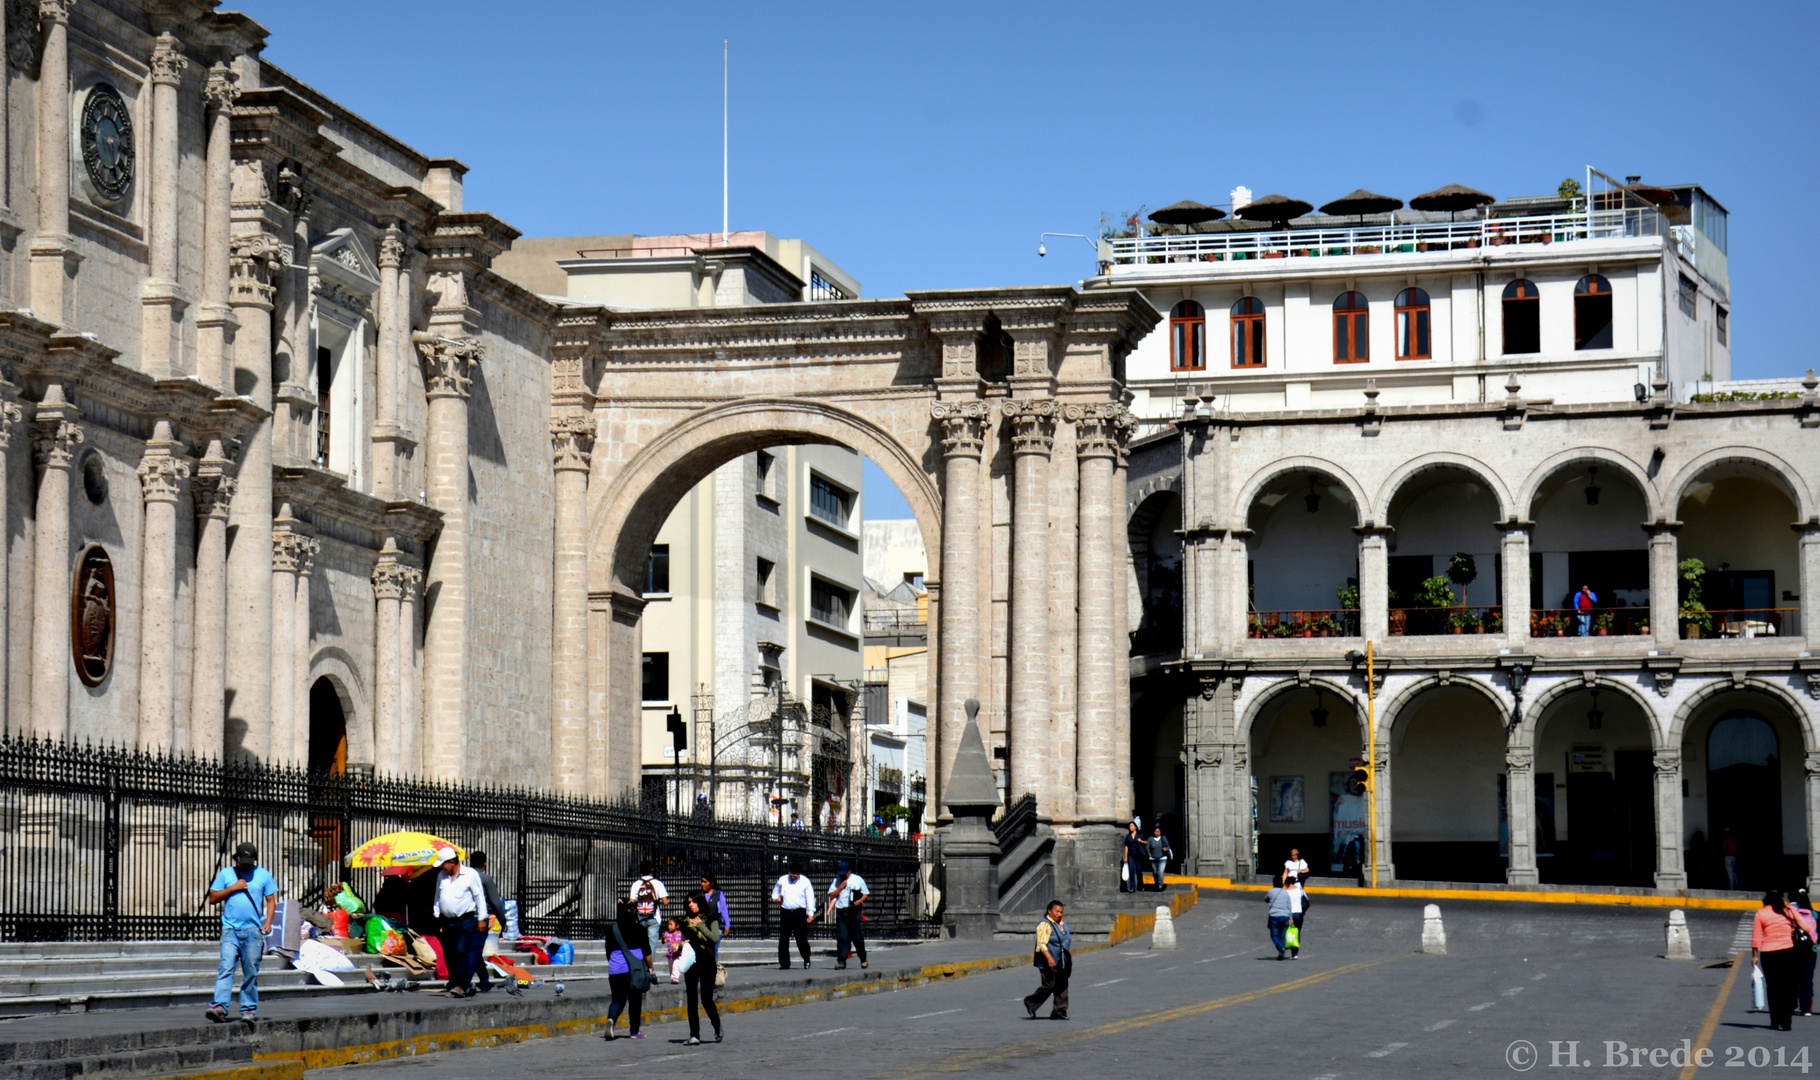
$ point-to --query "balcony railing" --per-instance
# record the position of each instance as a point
(1741, 623)
(1429, 621)
(1132, 252)
(1601, 622)
(1340, 622)
(890, 623)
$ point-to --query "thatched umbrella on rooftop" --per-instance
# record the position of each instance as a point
(1277, 208)
(1453, 198)
(1362, 202)
(1187, 212)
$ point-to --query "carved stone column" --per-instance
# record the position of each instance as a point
(11, 415)
(212, 491)
(1124, 794)
(1515, 586)
(294, 343)
(1520, 803)
(249, 637)
(1211, 759)
(1032, 423)
(214, 318)
(161, 301)
(53, 251)
(1374, 582)
(448, 366)
(389, 712)
(305, 549)
(1671, 870)
(284, 621)
(1099, 431)
(1812, 761)
(387, 484)
(161, 477)
(958, 618)
(1664, 583)
(1809, 568)
(57, 437)
(572, 439)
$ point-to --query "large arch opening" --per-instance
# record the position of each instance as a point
(1740, 568)
(1447, 772)
(1154, 537)
(1743, 810)
(1595, 814)
(1589, 514)
(328, 728)
(1302, 568)
(1305, 743)
(782, 633)
(1445, 552)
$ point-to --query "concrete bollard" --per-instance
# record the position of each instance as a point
(1434, 938)
(1163, 937)
(1680, 946)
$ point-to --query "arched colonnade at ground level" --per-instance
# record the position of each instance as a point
(1604, 778)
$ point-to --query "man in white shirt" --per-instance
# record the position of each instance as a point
(461, 909)
(795, 898)
(648, 897)
(845, 897)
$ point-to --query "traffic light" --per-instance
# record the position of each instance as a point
(1359, 782)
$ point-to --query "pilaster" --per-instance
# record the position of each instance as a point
(572, 442)
(11, 417)
(54, 257)
(1515, 586)
(1520, 802)
(215, 321)
(161, 477)
(1664, 583)
(212, 492)
(1374, 581)
(1671, 872)
(962, 421)
(1100, 432)
(56, 439)
(1032, 425)
(448, 365)
(161, 301)
(1808, 550)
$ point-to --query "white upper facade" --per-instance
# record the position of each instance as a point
(1428, 309)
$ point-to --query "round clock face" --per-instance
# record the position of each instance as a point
(107, 143)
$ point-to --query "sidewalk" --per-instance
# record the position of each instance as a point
(1618, 896)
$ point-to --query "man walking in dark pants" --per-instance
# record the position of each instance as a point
(496, 909)
(461, 905)
(1054, 963)
(795, 898)
(845, 898)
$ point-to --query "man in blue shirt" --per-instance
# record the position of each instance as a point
(248, 896)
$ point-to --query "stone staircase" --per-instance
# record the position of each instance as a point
(52, 977)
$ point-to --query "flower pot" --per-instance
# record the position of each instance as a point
(1458, 630)
(1478, 629)
(1603, 632)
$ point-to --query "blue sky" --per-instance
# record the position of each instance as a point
(925, 146)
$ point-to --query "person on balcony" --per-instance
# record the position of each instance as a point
(1583, 605)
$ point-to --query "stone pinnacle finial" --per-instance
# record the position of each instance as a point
(970, 784)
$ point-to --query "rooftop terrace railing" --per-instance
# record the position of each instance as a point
(1131, 253)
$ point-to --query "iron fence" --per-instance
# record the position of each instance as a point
(103, 843)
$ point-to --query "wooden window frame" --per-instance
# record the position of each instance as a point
(1194, 332)
(1358, 329)
(1423, 313)
(1250, 324)
(1592, 287)
(1534, 297)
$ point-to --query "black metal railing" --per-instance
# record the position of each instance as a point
(1017, 824)
(102, 843)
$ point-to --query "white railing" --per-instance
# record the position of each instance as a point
(1132, 252)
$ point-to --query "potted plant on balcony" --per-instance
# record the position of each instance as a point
(1602, 623)
(1465, 620)
(1462, 571)
(1694, 616)
(1494, 621)
(1435, 592)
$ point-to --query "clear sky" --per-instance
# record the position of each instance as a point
(925, 146)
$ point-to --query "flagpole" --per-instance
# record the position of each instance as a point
(723, 143)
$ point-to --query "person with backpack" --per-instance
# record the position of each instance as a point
(1054, 962)
(648, 897)
(845, 899)
(701, 932)
(628, 969)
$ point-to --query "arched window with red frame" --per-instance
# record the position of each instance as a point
(1592, 313)
(1188, 337)
(1248, 333)
(1522, 318)
(1351, 328)
(1412, 325)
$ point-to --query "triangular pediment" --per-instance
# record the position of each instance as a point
(342, 253)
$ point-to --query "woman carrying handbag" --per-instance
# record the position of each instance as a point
(1777, 937)
(701, 930)
(628, 969)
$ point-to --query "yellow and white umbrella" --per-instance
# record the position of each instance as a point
(407, 848)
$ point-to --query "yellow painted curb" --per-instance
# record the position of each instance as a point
(1125, 928)
(1521, 896)
(276, 1070)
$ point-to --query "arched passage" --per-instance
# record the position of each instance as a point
(1302, 557)
(1743, 761)
(1440, 508)
(1305, 742)
(1735, 513)
(1155, 546)
(1595, 821)
(1447, 771)
(328, 728)
(1589, 507)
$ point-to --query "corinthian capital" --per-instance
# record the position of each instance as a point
(1101, 428)
(54, 10)
(572, 440)
(167, 61)
(1032, 424)
(393, 578)
(392, 249)
(161, 474)
(56, 434)
(254, 259)
(222, 87)
(963, 426)
(448, 363)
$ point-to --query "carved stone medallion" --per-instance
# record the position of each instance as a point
(107, 143)
(92, 616)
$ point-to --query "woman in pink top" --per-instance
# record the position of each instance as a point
(1772, 947)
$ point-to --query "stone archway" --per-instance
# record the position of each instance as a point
(646, 404)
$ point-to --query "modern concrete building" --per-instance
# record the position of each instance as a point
(897, 665)
(1424, 436)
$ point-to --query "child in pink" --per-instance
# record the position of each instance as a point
(673, 946)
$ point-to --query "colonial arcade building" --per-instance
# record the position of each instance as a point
(1429, 432)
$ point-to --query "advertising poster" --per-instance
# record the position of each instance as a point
(1346, 811)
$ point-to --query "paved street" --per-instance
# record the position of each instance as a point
(1360, 1003)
